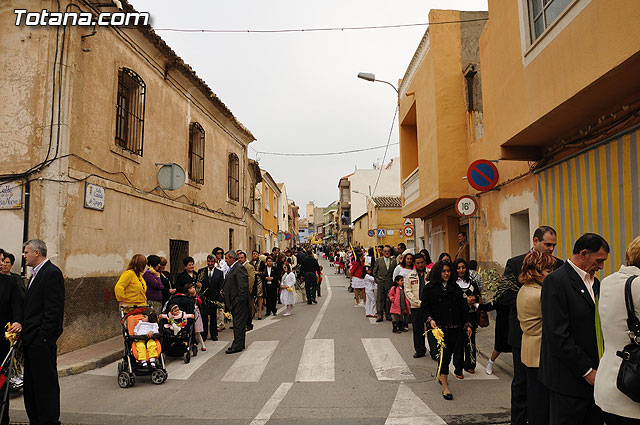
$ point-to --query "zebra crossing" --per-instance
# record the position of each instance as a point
(317, 362)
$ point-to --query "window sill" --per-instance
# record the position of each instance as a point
(125, 153)
(232, 201)
(195, 185)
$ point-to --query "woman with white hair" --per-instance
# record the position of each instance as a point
(618, 408)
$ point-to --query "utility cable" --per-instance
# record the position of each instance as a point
(326, 29)
(324, 153)
(385, 151)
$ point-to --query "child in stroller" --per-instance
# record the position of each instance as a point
(178, 330)
(140, 348)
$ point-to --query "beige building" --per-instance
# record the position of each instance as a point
(82, 155)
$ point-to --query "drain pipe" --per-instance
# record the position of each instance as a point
(25, 229)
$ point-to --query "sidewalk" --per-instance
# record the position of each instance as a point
(92, 357)
(484, 343)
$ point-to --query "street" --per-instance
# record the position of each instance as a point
(325, 364)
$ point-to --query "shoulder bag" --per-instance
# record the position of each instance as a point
(628, 381)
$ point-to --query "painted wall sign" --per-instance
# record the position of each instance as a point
(11, 196)
(482, 175)
(94, 196)
(466, 206)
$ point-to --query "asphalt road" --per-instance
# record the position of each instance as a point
(325, 364)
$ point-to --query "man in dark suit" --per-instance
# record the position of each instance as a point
(544, 240)
(11, 309)
(569, 351)
(210, 280)
(236, 294)
(43, 314)
(310, 270)
(383, 275)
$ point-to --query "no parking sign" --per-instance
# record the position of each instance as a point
(482, 175)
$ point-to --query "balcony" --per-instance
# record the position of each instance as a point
(411, 187)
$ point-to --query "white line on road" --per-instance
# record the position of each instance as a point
(251, 363)
(386, 360)
(317, 363)
(180, 370)
(272, 404)
(408, 409)
(316, 323)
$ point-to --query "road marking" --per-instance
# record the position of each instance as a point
(408, 409)
(317, 363)
(272, 404)
(316, 323)
(177, 369)
(480, 375)
(251, 363)
(386, 360)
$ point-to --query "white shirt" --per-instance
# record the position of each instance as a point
(222, 266)
(586, 278)
(143, 328)
(35, 271)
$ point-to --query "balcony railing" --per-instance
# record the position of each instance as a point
(411, 187)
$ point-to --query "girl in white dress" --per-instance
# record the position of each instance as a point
(370, 289)
(288, 293)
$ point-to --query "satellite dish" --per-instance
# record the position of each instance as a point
(171, 176)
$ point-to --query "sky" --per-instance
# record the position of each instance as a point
(298, 92)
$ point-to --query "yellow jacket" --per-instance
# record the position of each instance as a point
(131, 289)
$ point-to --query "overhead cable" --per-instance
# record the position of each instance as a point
(322, 153)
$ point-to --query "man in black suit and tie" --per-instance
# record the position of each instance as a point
(383, 275)
(11, 308)
(569, 352)
(544, 240)
(210, 281)
(43, 314)
(236, 295)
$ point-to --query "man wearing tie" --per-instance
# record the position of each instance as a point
(210, 280)
(236, 295)
(383, 275)
(43, 314)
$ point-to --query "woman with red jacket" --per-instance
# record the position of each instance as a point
(357, 278)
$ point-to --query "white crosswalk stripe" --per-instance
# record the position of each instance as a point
(386, 360)
(251, 363)
(408, 409)
(180, 370)
(317, 363)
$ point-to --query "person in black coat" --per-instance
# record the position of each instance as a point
(236, 295)
(270, 275)
(544, 240)
(569, 351)
(308, 268)
(186, 276)
(445, 307)
(11, 311)
(43, 315)
(210, 281)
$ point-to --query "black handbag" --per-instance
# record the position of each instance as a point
(628, 381)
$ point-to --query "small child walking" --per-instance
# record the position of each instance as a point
(400, 306)
(147, 350)
(369, 290)
(199, 327)
(288, 292)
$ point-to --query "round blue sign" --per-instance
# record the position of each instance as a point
(482, 175)
(371, 233)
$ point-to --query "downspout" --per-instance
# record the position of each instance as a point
(25, 227)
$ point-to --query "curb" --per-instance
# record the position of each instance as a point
(88, 365)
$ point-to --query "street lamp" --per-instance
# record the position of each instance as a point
(368, 76)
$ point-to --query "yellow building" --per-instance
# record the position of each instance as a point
(360, 231)
(439, 118)
(561, 102)
(385, 214)
(270, 194)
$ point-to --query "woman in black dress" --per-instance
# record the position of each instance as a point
(445, 308)
(465, 356)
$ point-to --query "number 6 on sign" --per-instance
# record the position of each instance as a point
(466, 206)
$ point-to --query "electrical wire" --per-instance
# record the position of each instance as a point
(289, 30)
(325, 153)
(395, 114)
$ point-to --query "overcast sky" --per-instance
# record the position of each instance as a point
(298, 92)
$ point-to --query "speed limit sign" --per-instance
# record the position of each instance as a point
(466, 206)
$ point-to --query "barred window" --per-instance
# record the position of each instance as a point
(234, 177)
(196, 153)
(130, 111)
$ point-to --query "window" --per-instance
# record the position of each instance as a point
(130, 111)
(520, 236)
(275, 205)
(542, 13)
(178, 251)
(234, 177)
(196, 153)
(252, 199)
(266, 198)
(230, 239)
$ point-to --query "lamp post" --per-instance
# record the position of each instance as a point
(368, 76)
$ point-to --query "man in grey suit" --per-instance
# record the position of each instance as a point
(383, 275)
(236, 299)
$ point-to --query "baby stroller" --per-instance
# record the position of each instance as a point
(129, 367)
(180, 343)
